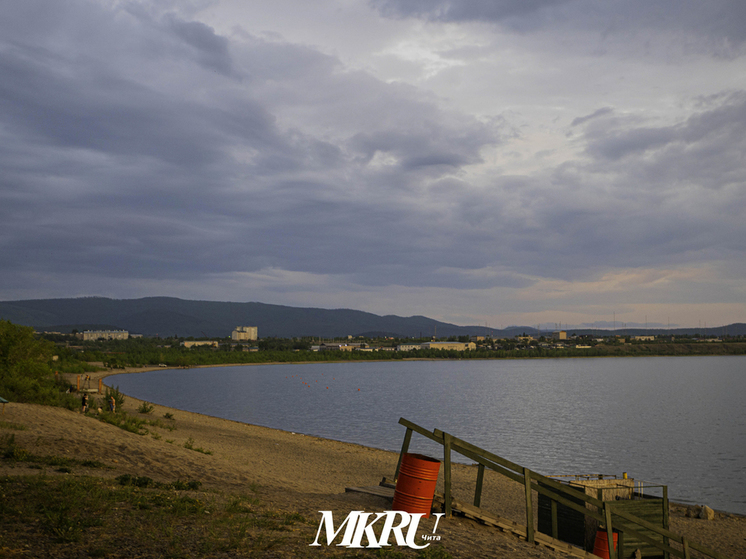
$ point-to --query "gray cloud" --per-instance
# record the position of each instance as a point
(139, 147)
(600, 112)
(145, 176)
(720, 24)
(464, 10)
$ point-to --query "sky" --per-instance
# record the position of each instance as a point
(480, 162)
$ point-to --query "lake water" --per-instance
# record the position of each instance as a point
(677, 421)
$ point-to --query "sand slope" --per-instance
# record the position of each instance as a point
(296, 472)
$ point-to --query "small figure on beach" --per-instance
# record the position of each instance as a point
(84, 402)
(112, 404)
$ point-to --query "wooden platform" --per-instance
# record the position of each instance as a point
(475, 513)
(506, 525)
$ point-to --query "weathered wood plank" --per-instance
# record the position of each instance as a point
(514, 528)
(377, 490)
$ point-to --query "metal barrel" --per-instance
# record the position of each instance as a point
(415, 487)
(601, 546)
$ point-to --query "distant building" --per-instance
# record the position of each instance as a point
(456, 346)
(407, 347)
(245, 333)
(344, 347)
(559, 335)
(93, 335)
(644, 338)
(211, 343)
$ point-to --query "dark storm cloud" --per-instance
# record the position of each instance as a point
(600, 112)
(463, 10)
(163, 156)
(706, 149)
(211, 50)
(431, 145)
(47, 100)
(721, 22)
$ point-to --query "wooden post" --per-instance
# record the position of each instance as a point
(78, 383)
(555, 530)
(666, 555)
(609, 531)
(100, 385)
(478, 490)
(685, 543)
(404, 449)
(447, 472)
(529, 506)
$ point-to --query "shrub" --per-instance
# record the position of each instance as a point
(145, 408)
(25, 371)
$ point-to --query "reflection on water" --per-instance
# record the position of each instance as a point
(678, 421)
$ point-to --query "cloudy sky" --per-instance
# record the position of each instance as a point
(479, 161)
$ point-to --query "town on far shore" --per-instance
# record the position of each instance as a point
(246, 338)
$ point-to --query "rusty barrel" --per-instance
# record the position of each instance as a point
(415, 486)
(601, 546)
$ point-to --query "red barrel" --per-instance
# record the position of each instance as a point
(415, 486)
(601, 546)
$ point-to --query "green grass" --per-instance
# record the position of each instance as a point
(124, 421)
(131, 423)
(189, 444)
(10, 425)
(11, 452)
(137, 514)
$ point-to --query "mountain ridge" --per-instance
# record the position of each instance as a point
(172, 316)
(168, 316)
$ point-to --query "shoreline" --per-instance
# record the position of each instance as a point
(294, 472)
(133, 370)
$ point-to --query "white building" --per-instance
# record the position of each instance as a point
(245, 333)
(457, 346)
(189, 344)
(92, 335)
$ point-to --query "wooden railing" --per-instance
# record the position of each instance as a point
(626, 524)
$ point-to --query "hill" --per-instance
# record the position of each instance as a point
(168, 316)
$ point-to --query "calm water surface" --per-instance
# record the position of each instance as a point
(678, 421)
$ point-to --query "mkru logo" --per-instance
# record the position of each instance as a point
(358, 526)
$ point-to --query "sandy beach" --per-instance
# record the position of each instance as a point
(299, 473)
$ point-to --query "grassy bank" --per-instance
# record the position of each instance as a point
(71, 509)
